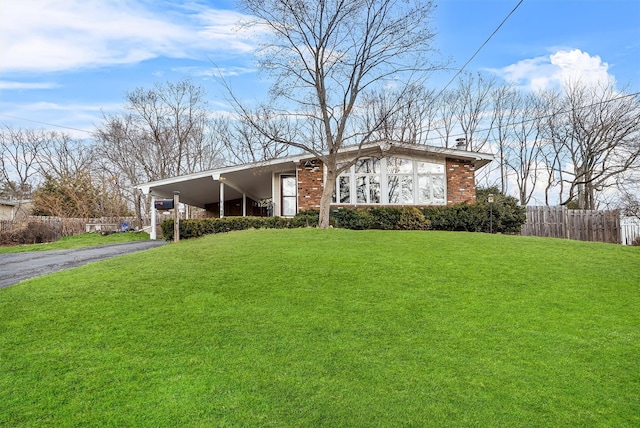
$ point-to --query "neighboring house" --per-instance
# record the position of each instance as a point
(397, 175)
(10, 210)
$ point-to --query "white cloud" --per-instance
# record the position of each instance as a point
(213, 72)
(6, 84)
(56, 35)
(222, 30)
(557, 69)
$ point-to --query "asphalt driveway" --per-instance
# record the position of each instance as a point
(16, 267)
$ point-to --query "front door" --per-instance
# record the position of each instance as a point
(289, 194)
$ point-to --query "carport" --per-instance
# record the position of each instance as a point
(232, 190)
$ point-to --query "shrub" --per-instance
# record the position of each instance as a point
(459, 217)
(306, 219)
(385, 218)
(347, 218)
(411, 218)
(33, 232)
(508, 215)
(504, 215)
(275, 222)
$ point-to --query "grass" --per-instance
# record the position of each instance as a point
(79, 241)
(330, 328)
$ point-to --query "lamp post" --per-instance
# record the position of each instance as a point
(490, 200)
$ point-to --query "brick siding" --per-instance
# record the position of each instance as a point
(309, 186)
(461, 181)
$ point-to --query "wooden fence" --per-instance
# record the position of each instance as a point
(56, 227)
(581, 225)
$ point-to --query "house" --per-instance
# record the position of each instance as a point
(10, 210)
(383, 175)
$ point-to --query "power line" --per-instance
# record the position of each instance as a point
(479, 49)
(546, 116)
(45, 123)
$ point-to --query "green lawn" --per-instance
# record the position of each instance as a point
(330, 328)
(78, 241)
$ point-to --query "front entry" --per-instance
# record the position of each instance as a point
(288, 192)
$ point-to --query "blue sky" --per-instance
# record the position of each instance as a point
(62, 62)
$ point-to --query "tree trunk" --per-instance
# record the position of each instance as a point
(137, 201)
(325, 201)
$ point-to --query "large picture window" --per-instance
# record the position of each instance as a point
(392, 181)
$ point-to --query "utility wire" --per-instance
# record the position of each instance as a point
(478, 50)
(45, 123)
(546, 116)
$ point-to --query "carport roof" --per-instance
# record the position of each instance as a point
(202, 188)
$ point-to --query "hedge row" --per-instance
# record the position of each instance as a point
(503, 216)
(194, 228)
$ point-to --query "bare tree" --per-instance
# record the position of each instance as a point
(72, 186)
(409, 121)
(473, 109)
(599, 130)
(21, 150)
(505, 107)
(116, 142)
(324, 56)
(244, 143)
(553, 152)
(171, 119)
(62, 155)
(525, 148)
(628, 186)
(445, 106)
(165, 131)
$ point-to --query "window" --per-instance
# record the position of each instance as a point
(344, 189)
(400, 180)
(367, 176)
(430, 183)
(289, 195)
(394, 181)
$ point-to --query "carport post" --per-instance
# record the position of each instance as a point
(153, 234)
(176, 216)
(244, 205)
(221, 198)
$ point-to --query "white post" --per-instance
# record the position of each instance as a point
(244, 205)
(176, 216)
(221, 199)
(153, 234)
